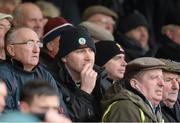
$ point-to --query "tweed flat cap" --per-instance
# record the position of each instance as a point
(144, 63)
(98, 9)
(171, 66)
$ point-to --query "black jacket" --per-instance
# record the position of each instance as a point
(15, 77)
(171, 114)
(51, 64)
(132, 49)
(81, 105)
(169, 50)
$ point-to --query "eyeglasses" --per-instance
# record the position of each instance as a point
(30, 43)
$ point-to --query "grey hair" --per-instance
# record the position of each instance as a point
(11, 35)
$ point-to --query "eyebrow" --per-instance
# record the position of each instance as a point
(32, 40)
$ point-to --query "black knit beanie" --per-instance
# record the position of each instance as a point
(75, 38)
(105, 50)
(127, 23)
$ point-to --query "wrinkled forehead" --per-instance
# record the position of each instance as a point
(26, 33)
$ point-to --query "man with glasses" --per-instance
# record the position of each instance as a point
(23, 48)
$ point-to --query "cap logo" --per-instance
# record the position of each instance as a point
(82, 41)
(118, 46)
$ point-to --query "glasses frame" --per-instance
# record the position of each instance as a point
(29, 43)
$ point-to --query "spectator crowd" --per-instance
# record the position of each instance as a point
(89, 61)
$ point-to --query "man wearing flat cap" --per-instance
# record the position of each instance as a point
(5, 25)
(171, 102)
(102, 16)
(139, 102)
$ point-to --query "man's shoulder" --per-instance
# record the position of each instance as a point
(4, 67)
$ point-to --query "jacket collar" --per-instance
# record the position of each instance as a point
(18, 65)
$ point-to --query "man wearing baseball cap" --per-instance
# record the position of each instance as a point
(5, 25)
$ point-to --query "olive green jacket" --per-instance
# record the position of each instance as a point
(121, 105)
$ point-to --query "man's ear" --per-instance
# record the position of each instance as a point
(49, 46)
(10, 50)
(169, 33)
(24, 107)
(134, 84)
(64, 60)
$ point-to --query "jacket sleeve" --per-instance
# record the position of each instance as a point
(12, 98)
(122, 111)
(81, 106)
(12, 90)
(53, 83)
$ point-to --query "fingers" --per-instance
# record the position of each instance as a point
(88, 78)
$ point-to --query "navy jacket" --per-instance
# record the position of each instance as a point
(11, 71)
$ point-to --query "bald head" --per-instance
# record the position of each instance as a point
(24, 45)
(29, 15)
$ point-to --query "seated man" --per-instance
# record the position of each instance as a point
(135, 37)
(41, 99)
(29, 15)
(5, 25)
(3, 94)
(102, 16)
(170, 38)
(23, 48)
(77, 77)
(51, 41)
(110, 55)
(170, 104)
(140, 101)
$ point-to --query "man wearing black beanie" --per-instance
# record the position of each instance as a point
(134, 35)
(77, 77)
(110, 55)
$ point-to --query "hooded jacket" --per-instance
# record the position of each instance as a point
(122, 105)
